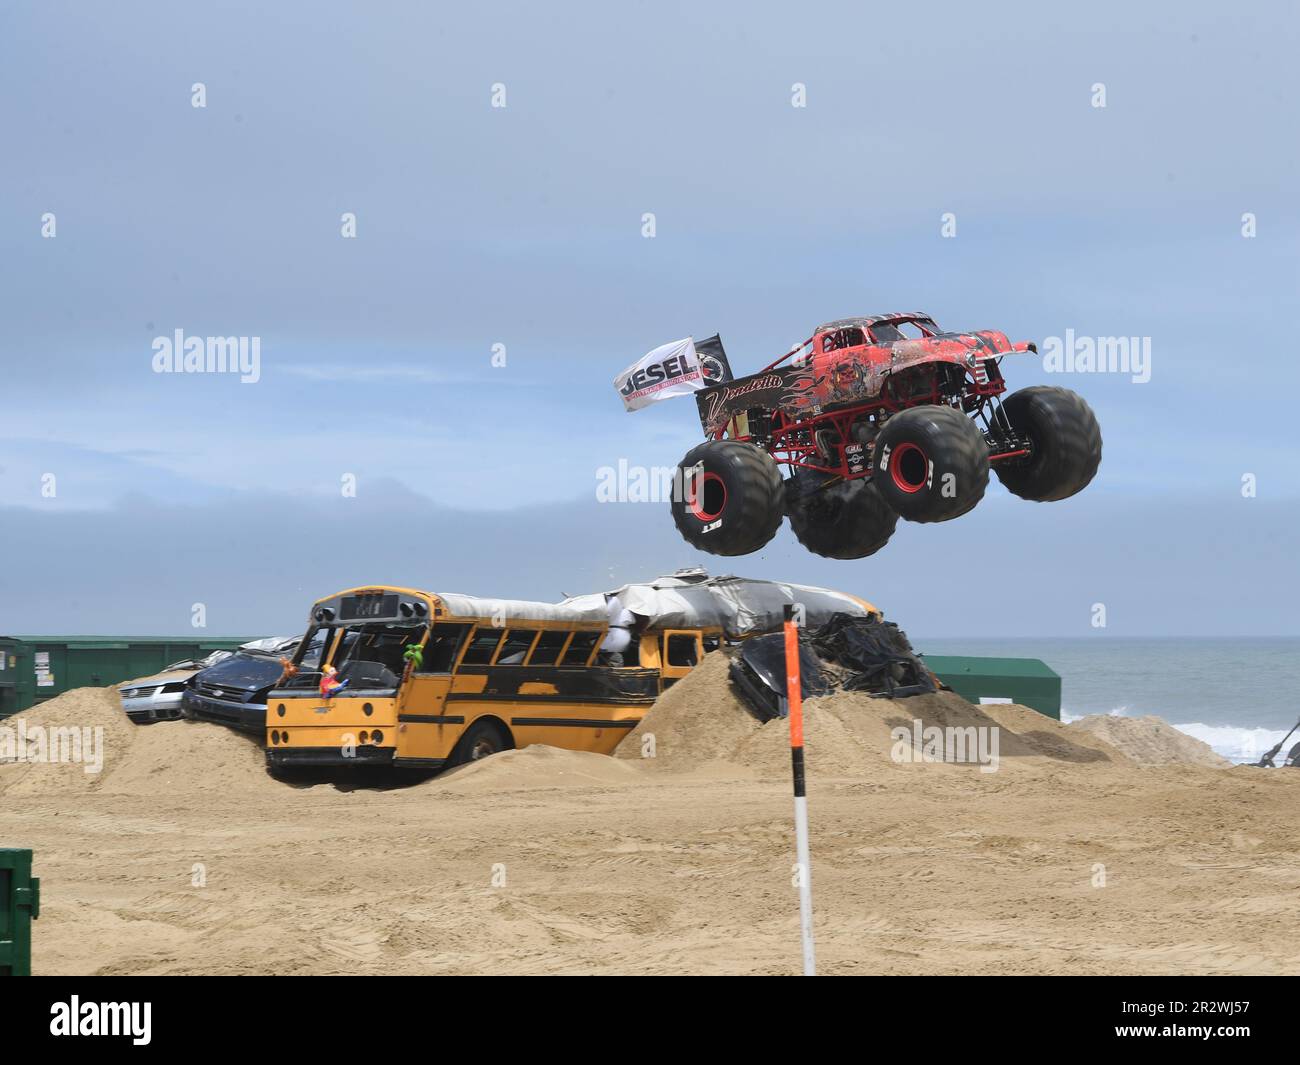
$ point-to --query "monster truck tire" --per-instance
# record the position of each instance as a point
(931, 463)
(734, 504)
(844, 520)
(1066, 444)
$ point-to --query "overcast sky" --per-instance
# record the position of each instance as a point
(522, 226)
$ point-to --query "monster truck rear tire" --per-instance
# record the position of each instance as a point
(1066, 444)
(844, 520)
(931, 463)
(735, 503)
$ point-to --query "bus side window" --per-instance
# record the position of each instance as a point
(440, 650)
(482, 647)
(681, 650)
(581, 647)
(549, 646)
(515, 648)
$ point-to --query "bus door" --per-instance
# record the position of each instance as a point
(426, 732)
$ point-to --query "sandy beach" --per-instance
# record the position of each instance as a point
(183, 856)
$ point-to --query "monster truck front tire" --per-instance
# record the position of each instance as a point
(931, 463)
(1066, 443)
(732, 498)
(844, 520)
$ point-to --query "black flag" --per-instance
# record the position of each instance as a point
(714, 360)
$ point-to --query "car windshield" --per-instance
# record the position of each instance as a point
(903, 329)
(245, 671)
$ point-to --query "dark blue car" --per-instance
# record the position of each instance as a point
(233, 692)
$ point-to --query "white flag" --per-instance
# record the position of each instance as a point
(670, 370)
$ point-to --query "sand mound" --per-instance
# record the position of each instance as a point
(851, 734)
(174, 756)
(697, 721)
(63, 722)
(1149, 741)
(677, 864)
(538, 766)
(698, 726)
(190, 757)
(701, 723)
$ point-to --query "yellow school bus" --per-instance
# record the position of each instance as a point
(489, 675)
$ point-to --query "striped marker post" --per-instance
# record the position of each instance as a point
(794, 709)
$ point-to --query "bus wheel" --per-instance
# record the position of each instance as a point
(481, 740)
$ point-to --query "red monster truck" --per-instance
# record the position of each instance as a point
(879, 418)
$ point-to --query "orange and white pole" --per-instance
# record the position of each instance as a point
(794, 710)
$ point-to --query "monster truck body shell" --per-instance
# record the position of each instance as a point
(822, 410)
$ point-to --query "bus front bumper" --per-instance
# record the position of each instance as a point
(287, 757)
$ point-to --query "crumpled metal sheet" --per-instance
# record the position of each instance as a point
(738, 606)
(473, 606)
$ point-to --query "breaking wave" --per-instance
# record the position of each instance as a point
(1229, 741)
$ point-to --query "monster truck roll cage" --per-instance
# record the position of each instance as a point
(839, 442)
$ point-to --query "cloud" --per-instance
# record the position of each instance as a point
(1008, 568)
(375, 349)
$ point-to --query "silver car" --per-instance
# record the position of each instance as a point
(158, 698)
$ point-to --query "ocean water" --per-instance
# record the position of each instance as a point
(1240, 696)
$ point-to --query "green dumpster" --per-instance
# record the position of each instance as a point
(20, 904)
(37, 668)
(1026, 681)
(9, 649)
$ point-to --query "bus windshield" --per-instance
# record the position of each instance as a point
(372, 657)
(368, 657)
